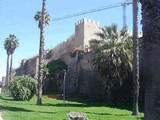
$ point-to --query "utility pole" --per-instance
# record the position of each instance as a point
(64, 86)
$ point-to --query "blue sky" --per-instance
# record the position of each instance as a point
(17, 17)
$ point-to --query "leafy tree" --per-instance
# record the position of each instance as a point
(44, 19)
(56, 65)
(55, 77)
(23, 87)
(10, 44)
(111, 55)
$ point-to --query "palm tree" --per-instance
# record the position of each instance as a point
(38, 17)
(6, 47)
(151, 41)
(135, 59)
(15, 44)
(10, 44)
(44, 19)
(111, 55)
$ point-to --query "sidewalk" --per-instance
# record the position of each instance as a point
(1, 117)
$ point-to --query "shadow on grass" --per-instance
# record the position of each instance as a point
(65, 105)
(87, 103)
(108, 114)
(7, 99)
(16, 109)
(90, 104)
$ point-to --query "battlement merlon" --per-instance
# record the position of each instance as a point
(72, 37)
(85, 20)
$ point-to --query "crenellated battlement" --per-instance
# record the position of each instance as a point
(71, 38)
(67, 41)
(84, 32)
(85, 20)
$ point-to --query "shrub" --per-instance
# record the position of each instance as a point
(23, 87)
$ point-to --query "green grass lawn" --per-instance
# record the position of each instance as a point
(52, 109)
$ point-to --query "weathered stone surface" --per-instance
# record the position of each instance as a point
(77, 116)
(82, 80)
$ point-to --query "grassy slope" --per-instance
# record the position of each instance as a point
(52, 109)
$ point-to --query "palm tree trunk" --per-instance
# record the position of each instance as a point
(151, 40)
(11, 68)
(7, 75)
(41, 51)
(135, 59)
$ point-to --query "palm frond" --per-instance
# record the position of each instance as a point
(111, 56)
(10, 44)
(38, 17)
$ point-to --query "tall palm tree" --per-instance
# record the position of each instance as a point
(135, 59)
(151, 41)
(44, 19)
(111, 55)
(15, 44)
(10, 44)
(7, 43)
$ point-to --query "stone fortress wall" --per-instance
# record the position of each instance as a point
(85, 30)
(82, 78)
(28, 67)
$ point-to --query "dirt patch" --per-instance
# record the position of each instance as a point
(54, 96)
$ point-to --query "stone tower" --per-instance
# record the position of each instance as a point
(85, 30)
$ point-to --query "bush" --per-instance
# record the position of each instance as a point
(23, 87)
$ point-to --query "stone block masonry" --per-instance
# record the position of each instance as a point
(28, 67)
(85, 30)
(82, 78)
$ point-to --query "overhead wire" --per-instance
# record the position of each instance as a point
(92, 10)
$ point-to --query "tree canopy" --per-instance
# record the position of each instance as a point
(112, 54)
(10, 44)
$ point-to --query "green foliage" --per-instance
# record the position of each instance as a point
(55, 77)
(112, 55)
(45, 70)
(38, 17)
(10, 44)
(23, 87)
(2, 89)
(56, 65)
